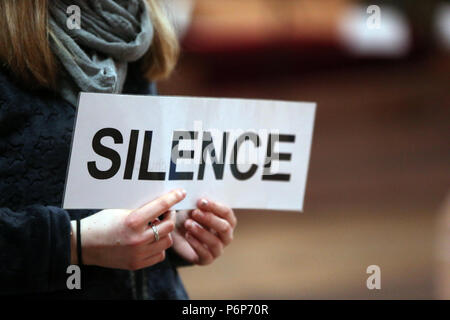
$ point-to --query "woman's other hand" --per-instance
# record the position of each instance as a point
(201, 235)
(124, 239)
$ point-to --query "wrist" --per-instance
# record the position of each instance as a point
(88, 256)
(73, 243)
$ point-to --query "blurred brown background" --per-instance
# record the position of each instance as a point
(379, 170)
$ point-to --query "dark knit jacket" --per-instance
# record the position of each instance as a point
(35, 137)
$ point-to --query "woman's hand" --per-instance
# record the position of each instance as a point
(124, 239)
(201, 235)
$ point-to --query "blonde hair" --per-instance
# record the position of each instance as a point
(25, 47)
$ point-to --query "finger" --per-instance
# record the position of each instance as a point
(150, 211)
(204, 256)
(164, 228)
(204, 236)
(221, 226)
(169, 216)
(218, 209)
(210, 220)
(152, 260)
(156, 247)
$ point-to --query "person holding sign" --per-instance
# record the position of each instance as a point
(47, 58)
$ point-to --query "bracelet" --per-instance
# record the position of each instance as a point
(79, 256)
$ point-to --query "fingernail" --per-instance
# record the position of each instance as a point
(204, 202)
(192, 225)
(182, 193)
(198, 213)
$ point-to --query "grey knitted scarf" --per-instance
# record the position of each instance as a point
(95, 57)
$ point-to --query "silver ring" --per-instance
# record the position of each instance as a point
(155, 231)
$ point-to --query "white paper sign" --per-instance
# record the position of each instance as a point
(128, 150)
